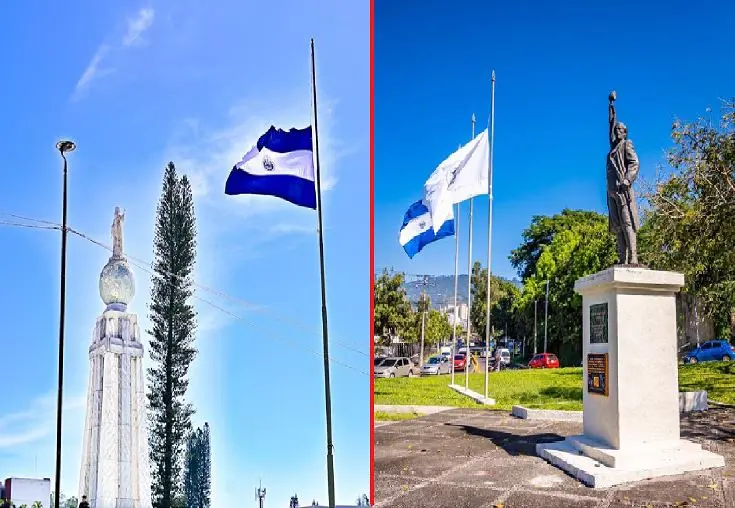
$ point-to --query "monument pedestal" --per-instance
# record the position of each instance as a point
(631, 396)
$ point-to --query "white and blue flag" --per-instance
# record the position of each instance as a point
(418, 231)
(281, 164)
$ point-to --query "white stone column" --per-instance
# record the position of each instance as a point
(114, 469)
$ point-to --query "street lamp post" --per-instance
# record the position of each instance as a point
(63, 147)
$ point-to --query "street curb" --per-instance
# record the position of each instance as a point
(422, 410)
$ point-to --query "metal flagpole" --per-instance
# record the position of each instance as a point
(325, 333)
(489, 226)
(535, 328)
(456, 277)
(546, 319)
(469, 289)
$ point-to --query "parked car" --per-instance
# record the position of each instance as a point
(395, 367)
(505, 357)
(436, 365)
(712, 350)
(544, 361)
(460, 362)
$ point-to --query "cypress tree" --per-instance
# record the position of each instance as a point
(171, 337)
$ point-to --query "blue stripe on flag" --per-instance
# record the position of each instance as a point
(293, 189)
(418, 242)
(280, 141)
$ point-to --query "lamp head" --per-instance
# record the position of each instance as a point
(65, 146)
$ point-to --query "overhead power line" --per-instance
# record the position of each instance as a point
(145, 266)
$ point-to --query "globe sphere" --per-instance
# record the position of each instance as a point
(117, 284)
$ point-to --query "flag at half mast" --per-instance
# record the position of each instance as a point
(417, 230)
(462, 175)
(281, 164)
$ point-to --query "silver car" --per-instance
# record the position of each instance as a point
(436, 365)
(395, 367)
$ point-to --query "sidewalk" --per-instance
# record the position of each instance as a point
(467, 458)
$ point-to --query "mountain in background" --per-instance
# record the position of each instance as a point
(440, 289)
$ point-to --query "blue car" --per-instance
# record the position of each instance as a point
(713, 350)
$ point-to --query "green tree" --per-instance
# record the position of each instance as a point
(540, 233)
(503, 295)
(586, 247)
(197, 469)
(172, 336)
(689, 223)
(392, 314)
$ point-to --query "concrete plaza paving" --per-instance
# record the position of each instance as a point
(468, 458)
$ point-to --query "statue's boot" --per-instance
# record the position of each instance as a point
(632, 247)
(622, 248)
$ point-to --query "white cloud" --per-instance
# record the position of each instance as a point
(93, 71)
(137, 26)
(35, 422)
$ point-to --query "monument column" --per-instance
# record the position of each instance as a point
(115, 470)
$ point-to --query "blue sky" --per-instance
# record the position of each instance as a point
(555, 62)
(139, 84)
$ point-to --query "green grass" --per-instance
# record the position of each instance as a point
(718, 378)
(548, 389)
(382, 416)
(538, 388)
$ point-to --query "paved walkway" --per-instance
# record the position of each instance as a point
(467, 458)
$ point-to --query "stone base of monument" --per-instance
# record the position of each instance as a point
(631, 397)
(597, 465)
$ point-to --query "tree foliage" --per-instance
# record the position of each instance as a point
(392, 315)
(540, 233)
(689, 223)
(579, 244)
(172, 335)
(503, 299)
(197, 469)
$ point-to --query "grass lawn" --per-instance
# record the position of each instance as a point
(718, 378)
(537, 388)
(382, 416)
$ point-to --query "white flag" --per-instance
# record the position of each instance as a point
(461, 176)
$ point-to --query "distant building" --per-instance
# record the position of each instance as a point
(26, 491)
(462, 312)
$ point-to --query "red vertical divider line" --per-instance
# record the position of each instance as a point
(372, 249)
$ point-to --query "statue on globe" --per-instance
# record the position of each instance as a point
(117, 233)
(622, 171)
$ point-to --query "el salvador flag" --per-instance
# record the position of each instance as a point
(281, 164)
(417, 230)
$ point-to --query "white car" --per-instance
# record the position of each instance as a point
(395, 367)
(436, 365)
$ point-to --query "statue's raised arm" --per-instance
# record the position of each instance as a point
(612, 117)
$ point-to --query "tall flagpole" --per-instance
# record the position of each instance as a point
(469, 289)
(456, 277)
(489, 222)
(325, 332)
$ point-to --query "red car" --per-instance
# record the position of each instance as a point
(544, 361)
(460, 362)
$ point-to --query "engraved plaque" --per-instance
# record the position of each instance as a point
(598, 323)
(597, 377)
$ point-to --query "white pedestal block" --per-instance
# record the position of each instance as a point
(631, 397)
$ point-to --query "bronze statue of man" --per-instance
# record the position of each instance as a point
(622, 171)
